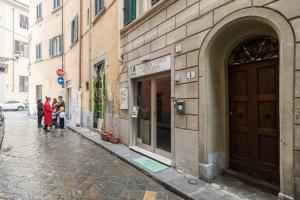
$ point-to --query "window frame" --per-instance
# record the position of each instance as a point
(74, 30)
(22, 48)
(98, 9)
(131, 13)
(55, 46)
(24, 24)
(56, 4)
(23, 87)
(39, 12)
(38, 51)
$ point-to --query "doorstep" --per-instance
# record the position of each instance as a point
(182, 184)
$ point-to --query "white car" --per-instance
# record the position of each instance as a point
(12, 105)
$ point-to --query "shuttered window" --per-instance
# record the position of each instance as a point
(23, 83)
(23, 21)
(55, 46)
(56, 4)
(74, 30)
(129, 11)
(21, 48)
(38, 51)
(99, 5)
(39, 14)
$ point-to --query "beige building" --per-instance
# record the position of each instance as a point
(211, 86)
(14, 36)
(91, 62)
(86, 48)
(45, 50)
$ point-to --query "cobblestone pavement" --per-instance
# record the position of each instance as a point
(64, 166)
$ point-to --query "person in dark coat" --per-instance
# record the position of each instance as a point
(47, 114)
(40, 112)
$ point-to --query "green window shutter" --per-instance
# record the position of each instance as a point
(129, 11)
(50, 48)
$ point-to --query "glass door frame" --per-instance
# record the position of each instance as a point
(153, 131)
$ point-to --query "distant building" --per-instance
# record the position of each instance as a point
(46, 50)
(14, 51)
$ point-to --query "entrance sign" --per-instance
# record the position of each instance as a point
(154, 66)
(60, 72)
(124, 98)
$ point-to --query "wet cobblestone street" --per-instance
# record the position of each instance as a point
(64, 166)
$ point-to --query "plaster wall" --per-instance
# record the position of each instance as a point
(43, 71)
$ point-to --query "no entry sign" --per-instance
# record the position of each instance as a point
(60, 72)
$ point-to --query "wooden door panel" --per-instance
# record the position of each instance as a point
(240, 83)
(254, 129)
(266, 81)
(267, 115)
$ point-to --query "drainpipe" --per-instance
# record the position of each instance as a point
(13, 53)
(63, 35)
(80, 45)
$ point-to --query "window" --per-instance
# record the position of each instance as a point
(56, 4)
(39, 15)
(99, 5)
(21, 48)
(23, 83)
(55, 46)
(38, 92)
(74, 30)
(129, 11)
(38, 51)
(88, 17)
(23, 21)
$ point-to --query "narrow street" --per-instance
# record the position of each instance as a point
(64, 166)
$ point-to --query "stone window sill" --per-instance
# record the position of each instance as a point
(97, 17)
(56, 10)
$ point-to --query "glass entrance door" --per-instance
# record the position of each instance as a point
(153, 97)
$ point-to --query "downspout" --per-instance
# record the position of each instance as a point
(14, 49)
(80, 45)
(63, 36)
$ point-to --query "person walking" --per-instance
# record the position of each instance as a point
(62, 115)
(47, 114)
(40, 112)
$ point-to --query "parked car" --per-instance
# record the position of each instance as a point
(12, 105)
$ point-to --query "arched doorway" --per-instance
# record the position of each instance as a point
(214, 130)
(253, 74)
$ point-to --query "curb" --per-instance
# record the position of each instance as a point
(165, 185)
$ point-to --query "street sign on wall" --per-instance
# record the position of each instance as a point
(60, 72)
(61, 80)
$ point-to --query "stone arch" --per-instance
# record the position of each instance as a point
(213, 109)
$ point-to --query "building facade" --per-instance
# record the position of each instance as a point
(86, 39)
(46, 51)
(14, 36)
(211, 86)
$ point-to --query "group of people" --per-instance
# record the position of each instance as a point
(53, 114)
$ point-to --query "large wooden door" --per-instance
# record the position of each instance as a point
(254, 119)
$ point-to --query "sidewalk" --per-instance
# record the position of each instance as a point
(185, 185)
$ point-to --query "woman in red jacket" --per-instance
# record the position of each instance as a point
(47, 114)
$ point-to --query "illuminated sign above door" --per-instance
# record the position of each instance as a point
(152, 67)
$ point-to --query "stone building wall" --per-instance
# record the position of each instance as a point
(179, 27)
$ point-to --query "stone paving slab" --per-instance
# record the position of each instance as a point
(184, 185)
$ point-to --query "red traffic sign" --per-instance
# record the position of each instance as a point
(60, 72)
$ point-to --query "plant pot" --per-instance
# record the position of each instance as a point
(113, 139)
(104, 136)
